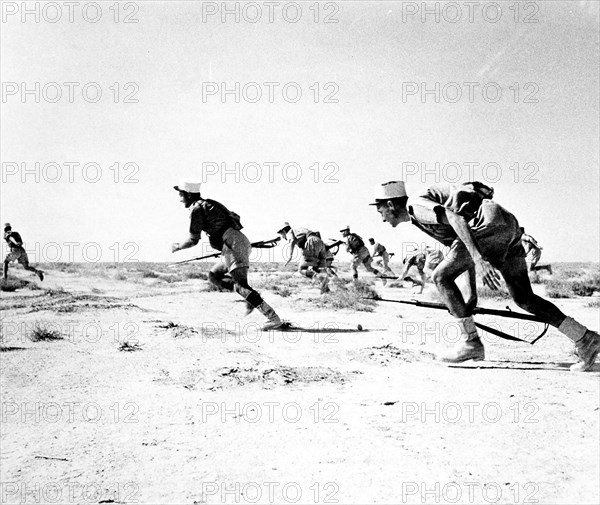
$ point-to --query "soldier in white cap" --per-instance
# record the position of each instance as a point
(356, 246)
(381, 258)
(533, 250)
(17, 252)
(425, 261)
(315, 261)
(223, 229)
(478, 231)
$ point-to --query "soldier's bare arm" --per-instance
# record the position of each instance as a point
(490, 277)
(191, 241)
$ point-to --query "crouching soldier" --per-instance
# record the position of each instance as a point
(478, 231)
(315, 256)
(223, 230)
(356, 247)
(381, 258)
(533, 253)
(17, 252)
(425, 262)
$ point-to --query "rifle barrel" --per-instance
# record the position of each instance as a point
(476, 310)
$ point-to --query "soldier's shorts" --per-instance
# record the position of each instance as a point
(533, 257)
(236, 250)
(17, 255)
(314, 248)
(363, 255)
(497, 233)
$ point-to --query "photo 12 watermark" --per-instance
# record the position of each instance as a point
(68, 412)
(71, 172)
(468, 412)
(252, 333)
(254, 172)
(469, 492)
(427, 332)
(70, 12)
(471, 92)
(453, 172)
(269, 412)
(465, 12)
(269, 492)
(70, 92)
(75, 251)
(67, 492)
(90, 332)
(270, 12)
(270, 92)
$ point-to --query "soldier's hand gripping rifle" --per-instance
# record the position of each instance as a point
(261, 244)
(478, 310)
(336, 244)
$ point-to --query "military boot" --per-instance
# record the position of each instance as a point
(587, 351)
(273, 321)
(587, 343)
(469, 348)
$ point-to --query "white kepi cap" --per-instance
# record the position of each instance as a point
(188, 186)
(389, 190)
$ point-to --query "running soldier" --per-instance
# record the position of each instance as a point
(356, 247)
(17, 252)
(478, 231)
(315, 256)
(533, 253)
(381, 258)
(223, 229)
(425, 262)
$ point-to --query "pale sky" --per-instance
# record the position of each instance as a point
(545, 122)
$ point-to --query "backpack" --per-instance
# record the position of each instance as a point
(483, 190)
(236, 220)
(355, 242)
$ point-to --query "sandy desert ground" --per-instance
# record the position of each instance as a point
(145, 387)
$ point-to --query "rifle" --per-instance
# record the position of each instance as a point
(478, 310)
(261, 244)
(337, 243)
(266, 244)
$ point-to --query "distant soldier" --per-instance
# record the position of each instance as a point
(478, 231)
(533, 252)
(223, 229)
(356, 247)
(425, 261)
(315, 255)
(381, 258)
(17, 252)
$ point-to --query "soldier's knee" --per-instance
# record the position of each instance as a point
(439, 277)
(253, 298)
(525, 301)
(214, 278)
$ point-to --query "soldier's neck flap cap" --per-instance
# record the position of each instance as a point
(286, 227)
(188, 186)
(389, 190)
(347, 228)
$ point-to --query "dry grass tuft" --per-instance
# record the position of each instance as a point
(43, 332)
(12, 284)
(355, 296)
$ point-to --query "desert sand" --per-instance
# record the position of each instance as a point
(162, 392)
